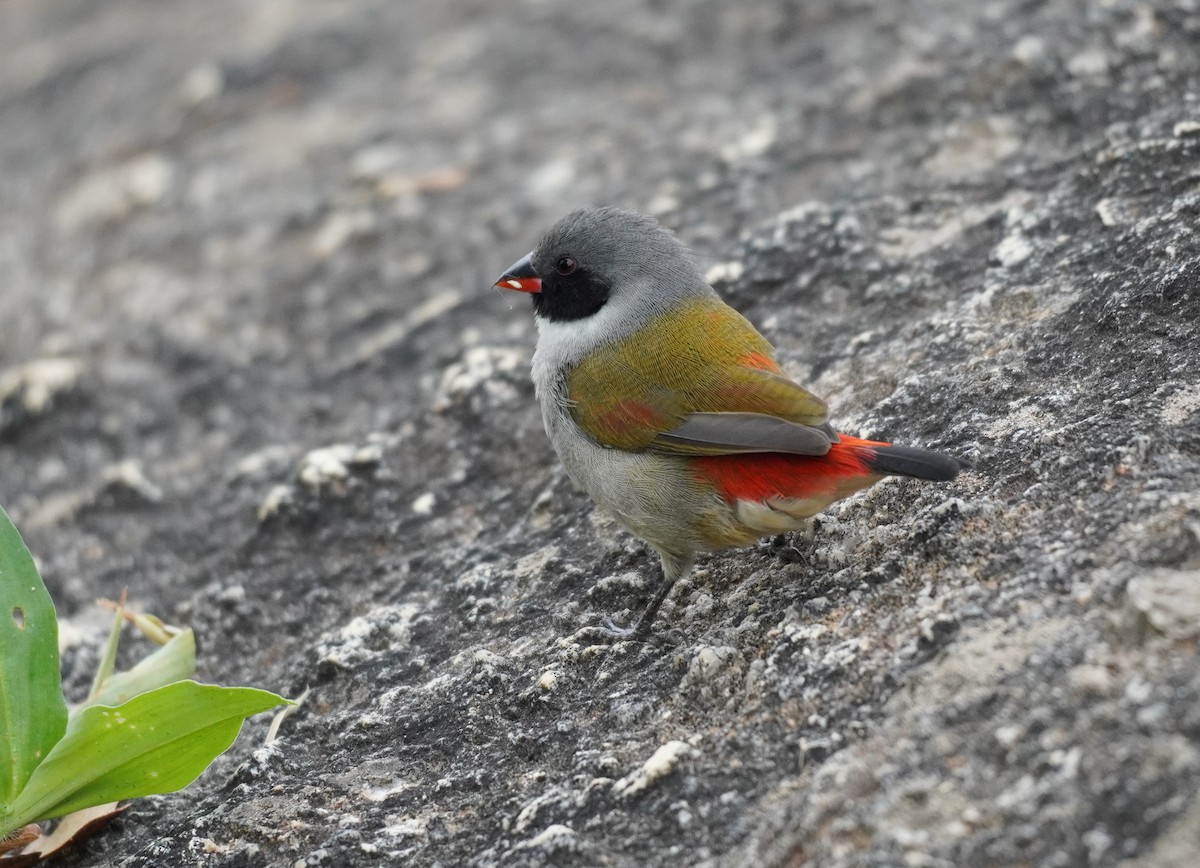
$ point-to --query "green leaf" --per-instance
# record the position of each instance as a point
(157, 742)
(33, 714)
(172, 662)
(108, 660)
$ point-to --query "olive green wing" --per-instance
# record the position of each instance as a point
(697, 381)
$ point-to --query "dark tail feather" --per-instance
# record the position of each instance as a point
(918, 463)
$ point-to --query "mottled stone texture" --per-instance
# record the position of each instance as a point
(235, 233)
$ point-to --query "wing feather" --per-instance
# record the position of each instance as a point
(729, 433)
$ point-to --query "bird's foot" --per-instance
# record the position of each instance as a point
(609, 628)
(609, 632)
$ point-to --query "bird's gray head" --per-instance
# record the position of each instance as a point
(598, 257)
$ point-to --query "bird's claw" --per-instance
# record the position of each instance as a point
(607, 632)
(609, 628)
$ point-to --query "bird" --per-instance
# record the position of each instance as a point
(669, 408)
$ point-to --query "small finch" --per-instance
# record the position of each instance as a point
(667, 406)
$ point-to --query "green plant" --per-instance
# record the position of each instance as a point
(140, 732)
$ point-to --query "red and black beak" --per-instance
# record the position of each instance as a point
(521, 276)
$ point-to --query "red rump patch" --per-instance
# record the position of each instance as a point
(759, 476)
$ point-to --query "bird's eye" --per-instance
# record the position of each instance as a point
(566, 265)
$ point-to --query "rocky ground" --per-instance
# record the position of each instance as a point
(251, 369)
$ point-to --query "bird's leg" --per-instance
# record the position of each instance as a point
(668, 571)
(641, 629)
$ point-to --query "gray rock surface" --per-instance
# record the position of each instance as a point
(250, 368)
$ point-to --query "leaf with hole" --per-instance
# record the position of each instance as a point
(33, 714)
